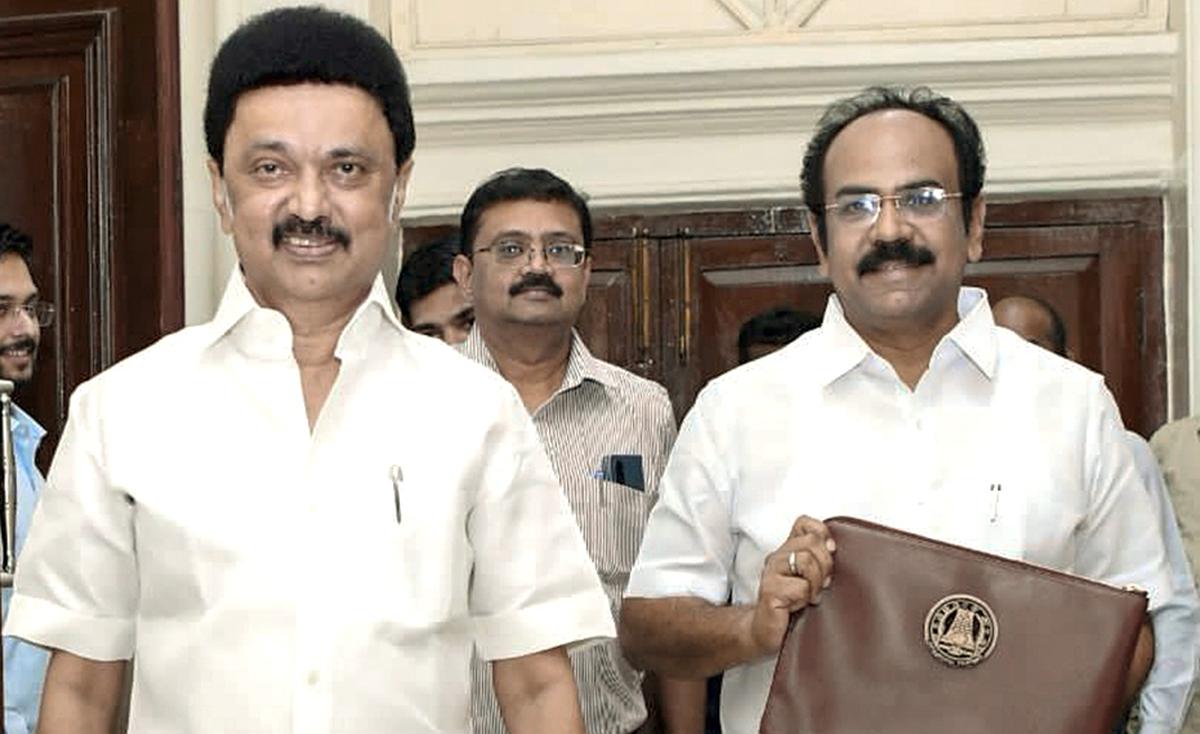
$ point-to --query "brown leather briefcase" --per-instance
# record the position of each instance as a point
(915, 635)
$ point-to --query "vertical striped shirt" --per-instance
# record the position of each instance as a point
(600, 410)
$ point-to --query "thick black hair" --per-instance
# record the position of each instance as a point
(306, 44)
(13, 240)
(424, 271)
(518, 184)
(968, 144)
(777, 326)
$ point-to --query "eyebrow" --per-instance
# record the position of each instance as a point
(274, 146)
(350, 151)
(917, 184)
(6, 299)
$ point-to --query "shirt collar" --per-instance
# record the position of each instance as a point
(974, 335)
(581, 365)
(272, 335)
(23, 422)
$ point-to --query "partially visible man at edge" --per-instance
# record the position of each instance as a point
(431, 302)
(525, 264)
(903, 408)
(1165, 699)
(237, 506)
(23, 315)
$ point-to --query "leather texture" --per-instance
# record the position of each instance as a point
(859, 663)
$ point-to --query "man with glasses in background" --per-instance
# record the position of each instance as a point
(908, 407)
(526, 261)
(22, 316)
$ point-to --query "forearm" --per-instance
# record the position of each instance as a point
(682, 702)
(537, 693)
(80, 696)
(686, 637)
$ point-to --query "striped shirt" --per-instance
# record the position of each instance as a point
(600, 410)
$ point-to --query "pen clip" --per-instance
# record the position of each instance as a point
(396, 474)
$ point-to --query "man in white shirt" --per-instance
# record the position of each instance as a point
(1165, 698)
(262, 510)
(908, 407)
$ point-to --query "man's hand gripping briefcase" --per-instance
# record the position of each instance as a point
(921, 636)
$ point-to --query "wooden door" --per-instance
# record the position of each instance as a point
(89, 132)
(620, 320)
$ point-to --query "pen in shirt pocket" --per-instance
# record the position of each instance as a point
(397, 476)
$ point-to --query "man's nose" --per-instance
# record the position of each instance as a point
(535, 260)
(310, 198)
(890, 224)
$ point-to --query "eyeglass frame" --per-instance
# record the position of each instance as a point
(581, 254)
(39, 312)
(902, 211)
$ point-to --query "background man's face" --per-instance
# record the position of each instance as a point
(1028, 318)
(885, 152)
(532, 291)
(445, 313)
(19, 333)
(310, 173)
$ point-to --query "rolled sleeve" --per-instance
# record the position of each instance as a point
(688, 546)
(533, 586)
(76, 587)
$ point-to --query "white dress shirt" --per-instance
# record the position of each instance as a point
(1167, 693)
(270, 579)
(825, 427)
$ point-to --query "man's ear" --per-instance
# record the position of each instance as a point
(220, 197)
(815, 232)
(462, 274)
(975, 229)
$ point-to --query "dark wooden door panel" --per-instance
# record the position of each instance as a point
(619, 319)
(89, 126)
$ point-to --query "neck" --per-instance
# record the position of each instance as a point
(533, 358)
(316, 327)
(906, 345)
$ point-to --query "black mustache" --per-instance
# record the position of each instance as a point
(319, 227)
(536, 280)
(895, 251)
(23, 343)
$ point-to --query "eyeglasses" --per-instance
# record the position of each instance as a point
(915, 205)
(39, 311)
(558, 254)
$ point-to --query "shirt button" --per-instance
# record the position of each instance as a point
(313, 677)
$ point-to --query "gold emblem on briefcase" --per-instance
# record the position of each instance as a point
(961, 630)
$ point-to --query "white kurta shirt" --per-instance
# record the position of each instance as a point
(273, 580)
(825, 427)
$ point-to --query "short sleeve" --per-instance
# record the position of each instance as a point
(688, 546)
(533, 586)
(76, 587)
(1120, 543)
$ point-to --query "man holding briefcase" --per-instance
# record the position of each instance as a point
(908, 407)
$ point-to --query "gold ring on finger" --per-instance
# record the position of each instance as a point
(792, 563)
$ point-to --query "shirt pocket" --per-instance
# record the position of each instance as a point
(612, 526)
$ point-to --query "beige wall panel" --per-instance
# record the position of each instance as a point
(435, 23)
(456, 26)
